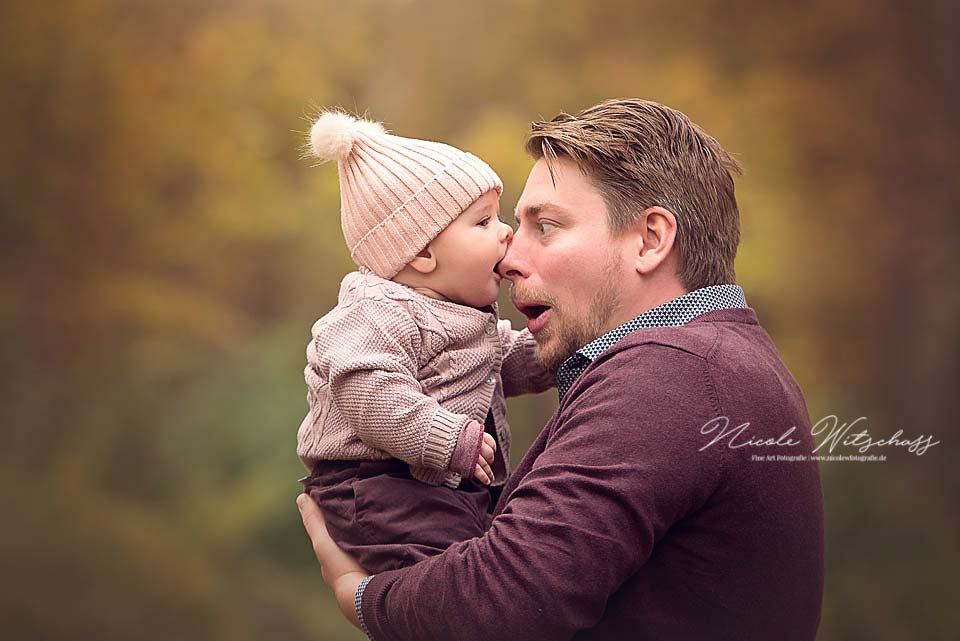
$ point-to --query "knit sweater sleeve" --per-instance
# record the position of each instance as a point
(621, 467)
(521, 373)
(372, 350)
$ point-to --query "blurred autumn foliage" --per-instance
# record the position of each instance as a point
(165, 252)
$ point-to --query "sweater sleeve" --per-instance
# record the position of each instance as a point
(372, 351)
(465, 455)
(621, 467)
(521, 373)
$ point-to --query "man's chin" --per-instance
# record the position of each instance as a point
(548, 352)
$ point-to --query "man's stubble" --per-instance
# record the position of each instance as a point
(565, 333)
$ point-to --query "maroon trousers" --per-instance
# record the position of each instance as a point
(377, 512)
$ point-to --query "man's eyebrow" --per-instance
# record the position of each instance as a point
(536, 210)
(530, 210)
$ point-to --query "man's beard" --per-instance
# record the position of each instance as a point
(565, 334)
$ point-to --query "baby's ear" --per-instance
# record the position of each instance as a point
(424, 262)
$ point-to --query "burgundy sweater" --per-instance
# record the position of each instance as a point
(616, 525)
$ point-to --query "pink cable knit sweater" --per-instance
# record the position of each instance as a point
(392, 373)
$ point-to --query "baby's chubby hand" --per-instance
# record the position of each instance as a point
(483, 472)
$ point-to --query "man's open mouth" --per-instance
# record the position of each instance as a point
(532, 312)
(537, 315)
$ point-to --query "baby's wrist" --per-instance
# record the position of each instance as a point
(467, 451)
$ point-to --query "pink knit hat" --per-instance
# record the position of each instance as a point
(396, 194)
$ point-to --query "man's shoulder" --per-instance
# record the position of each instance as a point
(675, 377)
(652, 395)
(700, 338)
(679, 359)
(717, 362)
(637, 374)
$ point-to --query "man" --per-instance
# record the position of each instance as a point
(647, 508)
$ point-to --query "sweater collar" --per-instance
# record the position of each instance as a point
(399, 291)
(673, 313)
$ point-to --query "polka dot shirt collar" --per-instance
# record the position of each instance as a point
(674, 313)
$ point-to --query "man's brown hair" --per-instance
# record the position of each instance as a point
(642, 154)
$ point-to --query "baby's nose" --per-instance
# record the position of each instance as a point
(506, 232)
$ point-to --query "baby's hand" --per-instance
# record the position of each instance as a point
(483, 472)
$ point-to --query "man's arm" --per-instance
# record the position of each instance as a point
(520, 372)
(619, 470)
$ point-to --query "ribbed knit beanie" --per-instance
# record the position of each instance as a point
(396, 194)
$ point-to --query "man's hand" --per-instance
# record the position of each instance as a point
(484, 473)
(340, 571)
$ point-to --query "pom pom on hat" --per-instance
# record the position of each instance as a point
(333, 134)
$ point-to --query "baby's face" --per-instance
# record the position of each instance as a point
(468, 251)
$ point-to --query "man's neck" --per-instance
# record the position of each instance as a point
(632, 304)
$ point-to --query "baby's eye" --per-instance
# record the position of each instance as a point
(484, 222)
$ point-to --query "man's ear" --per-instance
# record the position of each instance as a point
(424, 262)
(656, 233)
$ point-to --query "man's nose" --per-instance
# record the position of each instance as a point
(511, 266)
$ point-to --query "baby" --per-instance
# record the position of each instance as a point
(406, 376)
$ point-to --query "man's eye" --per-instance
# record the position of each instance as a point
(544, 227)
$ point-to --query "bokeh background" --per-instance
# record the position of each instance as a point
(165, 252)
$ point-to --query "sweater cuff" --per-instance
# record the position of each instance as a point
(442, 438)
(465, 455)
(372, 604)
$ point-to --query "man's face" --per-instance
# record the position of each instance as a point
(565, 267)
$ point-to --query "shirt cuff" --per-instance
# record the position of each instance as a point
(465, 455)
(357, 603)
